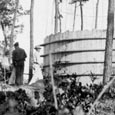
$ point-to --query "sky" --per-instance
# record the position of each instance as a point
(44, 17)
(44, 20)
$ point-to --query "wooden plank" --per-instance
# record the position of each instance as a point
(73, 39)
(76, 51)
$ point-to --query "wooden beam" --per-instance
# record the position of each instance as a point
(52, 81)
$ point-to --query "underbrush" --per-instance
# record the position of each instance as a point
(70, 94)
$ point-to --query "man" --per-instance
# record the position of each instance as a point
(18, 58)
(36, 65)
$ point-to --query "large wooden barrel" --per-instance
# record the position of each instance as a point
(80, 52)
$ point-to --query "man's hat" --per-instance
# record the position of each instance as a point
(16, 44)
(37, 47)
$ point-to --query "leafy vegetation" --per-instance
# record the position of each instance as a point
(70, 94)
(7, 9)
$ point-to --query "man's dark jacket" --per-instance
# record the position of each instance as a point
(19, 56)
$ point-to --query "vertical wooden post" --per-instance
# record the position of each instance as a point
(31, 41)
(12, 30)
(74, 16)
(56, 17)
(60, 24)
(81, 9)
(109, 43)
(96, 16)
(52, 81)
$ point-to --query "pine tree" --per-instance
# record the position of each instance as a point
(109, 43)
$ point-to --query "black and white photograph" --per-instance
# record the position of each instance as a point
(57, 57)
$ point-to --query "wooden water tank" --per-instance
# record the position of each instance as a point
(82, 50)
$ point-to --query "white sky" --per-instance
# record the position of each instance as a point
(44, 19)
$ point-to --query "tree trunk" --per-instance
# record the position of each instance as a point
(74, 16)
(5, 38)
(12, 30)
(81, 9)
(109, 43)
(31, 41)
(96, 17)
